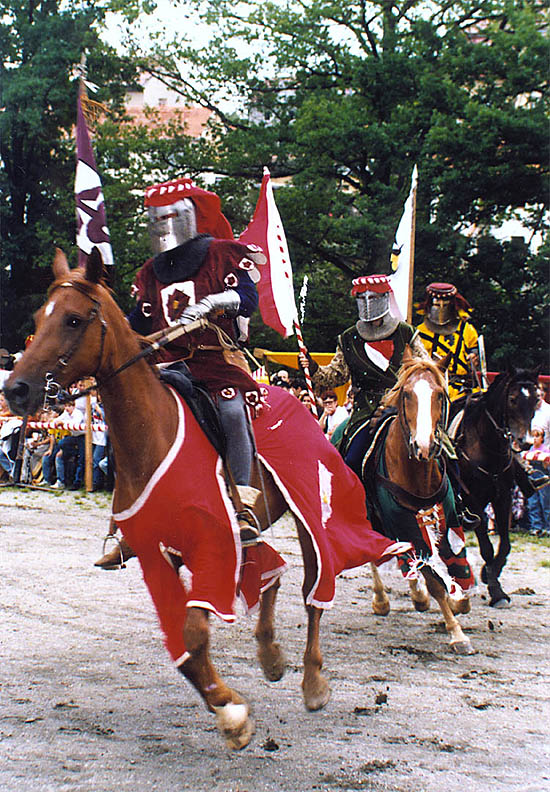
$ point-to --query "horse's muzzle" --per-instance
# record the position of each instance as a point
(22, 397)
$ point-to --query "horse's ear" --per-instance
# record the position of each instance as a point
(60, 265)
(408, 357)
(95, 269)
(443, 364)
(510, 368)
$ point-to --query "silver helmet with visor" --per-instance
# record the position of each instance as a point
(172, 224)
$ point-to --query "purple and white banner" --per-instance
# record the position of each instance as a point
(91, 224)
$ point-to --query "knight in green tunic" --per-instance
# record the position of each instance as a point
(370, 354)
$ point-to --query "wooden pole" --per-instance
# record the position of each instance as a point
(411, 259)
(89, 449)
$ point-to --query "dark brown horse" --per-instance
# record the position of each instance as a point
(80, 331)
(484, 434)
(411, 497)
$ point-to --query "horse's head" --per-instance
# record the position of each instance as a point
(520, 400)
(422, 404)
(69, 341)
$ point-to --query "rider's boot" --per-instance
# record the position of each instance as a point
(116, 558)
(249, 523)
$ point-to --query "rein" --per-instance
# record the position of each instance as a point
(503, 433)
(403, 496)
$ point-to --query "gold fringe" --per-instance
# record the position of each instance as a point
(92, 110)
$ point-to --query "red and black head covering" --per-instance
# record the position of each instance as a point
(446, 291)
(210, 219)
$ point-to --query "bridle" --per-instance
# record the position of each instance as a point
(502, 432)
(53, 388)
(440, 426)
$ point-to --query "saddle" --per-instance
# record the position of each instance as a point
(199, 402)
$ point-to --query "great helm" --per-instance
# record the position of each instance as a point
(375, 300)
(443, 308)
(179, 210)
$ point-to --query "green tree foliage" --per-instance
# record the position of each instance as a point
(341, 99)
(41, 43)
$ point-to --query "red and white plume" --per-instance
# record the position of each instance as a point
(275, 289)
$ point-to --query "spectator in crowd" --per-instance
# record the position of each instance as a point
(6, 365)
(297, 386)
(99, 441)
(71, 449)
(333, 413)
(9, 437)
(305, 398)
(538, 505)
(37, 444)
(541, 418)
(54, 436)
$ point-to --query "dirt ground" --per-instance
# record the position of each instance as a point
(91, 702)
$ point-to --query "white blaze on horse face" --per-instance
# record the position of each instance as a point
(424, 423)
(48, 310)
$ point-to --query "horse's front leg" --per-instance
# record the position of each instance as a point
(315, 687)
(270, 654)
(380, 601)
(231, 709)
(460, 643)
(419, 596)
(503, 523)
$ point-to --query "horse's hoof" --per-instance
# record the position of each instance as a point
(460, 606)
(272, 661)
(317, 699)
(380, 608)
(234, 722)
(463, 647)
(504, 602)
(421, 605)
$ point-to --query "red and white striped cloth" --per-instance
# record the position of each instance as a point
(536, 455)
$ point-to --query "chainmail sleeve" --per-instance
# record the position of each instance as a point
(334, 373)
(418, 348)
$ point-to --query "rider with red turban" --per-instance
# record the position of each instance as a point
(446, 329)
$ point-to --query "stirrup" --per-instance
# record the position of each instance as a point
(120, 564)
(470, 521)
(250, 528)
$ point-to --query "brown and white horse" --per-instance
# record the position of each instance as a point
(411, 498)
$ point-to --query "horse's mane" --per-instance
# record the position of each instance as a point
(419, 365)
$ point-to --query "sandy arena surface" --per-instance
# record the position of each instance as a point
(91, 702)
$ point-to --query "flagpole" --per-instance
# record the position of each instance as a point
(411, 258)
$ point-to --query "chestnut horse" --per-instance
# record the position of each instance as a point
(411, 498)
(80, 331)
(170, 496)
(484, 433)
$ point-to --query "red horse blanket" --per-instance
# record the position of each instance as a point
(185, 507)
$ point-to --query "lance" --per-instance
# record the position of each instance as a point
(303, 349)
